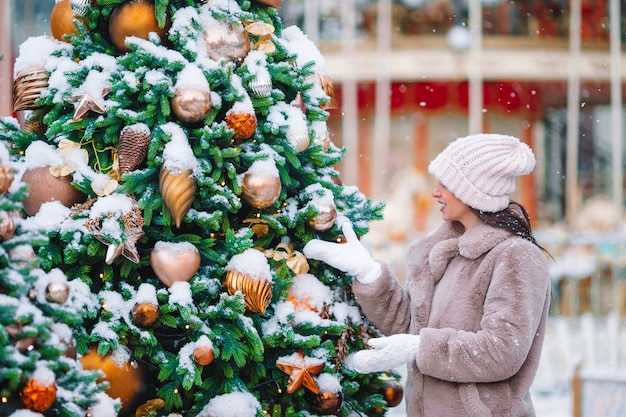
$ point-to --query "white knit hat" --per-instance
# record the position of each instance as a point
(480, 169)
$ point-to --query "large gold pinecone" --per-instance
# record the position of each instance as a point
(178, 191)
(133, 147)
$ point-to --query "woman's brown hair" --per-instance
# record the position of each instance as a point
(513, 218)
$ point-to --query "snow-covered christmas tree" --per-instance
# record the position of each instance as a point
(177, 158)
(38, 368)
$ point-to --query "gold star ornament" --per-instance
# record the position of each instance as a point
(301, 371)
(85, 101)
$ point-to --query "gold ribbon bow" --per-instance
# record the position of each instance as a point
(296, 261)
(149, 408)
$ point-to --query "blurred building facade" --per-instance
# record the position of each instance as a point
(412, 75)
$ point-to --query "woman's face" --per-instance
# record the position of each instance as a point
(453, 209)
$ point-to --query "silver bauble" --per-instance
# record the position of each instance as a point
(261, 86)
(299, 139)
(226, 41)
(79, 7)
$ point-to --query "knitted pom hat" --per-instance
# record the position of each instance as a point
(480, 169)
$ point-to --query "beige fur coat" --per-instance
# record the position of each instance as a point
(479, 302)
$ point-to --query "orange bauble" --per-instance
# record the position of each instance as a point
(203, 355)
(393, 393)
(134, 18)
(125, 380)
(38, 397)
(62, 20)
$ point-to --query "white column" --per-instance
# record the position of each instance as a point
(617, 130)
(382, 124)
(573, 114)
(311, 20)
(6, 64)
(474, 70)
(349, 108)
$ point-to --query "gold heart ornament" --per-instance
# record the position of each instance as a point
(174, 262)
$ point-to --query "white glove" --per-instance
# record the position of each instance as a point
(388, 353)
(350, 257)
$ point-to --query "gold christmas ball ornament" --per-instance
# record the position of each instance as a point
(27, 88)
(134, 18)
(133, 147)
(393, 393)
(261, 86)
(45, 187)
(261, 185)
(191, 105)
(203, 355)
(257, 292)
(62, 20)
(325, 402)
(125, 378)
(7, 226)
(173, 262)
(178, 192)
(38, 397)
(226, 41)
(57, 292)
(145, 314)
(299, 139)
(325, 217)
(244, 124)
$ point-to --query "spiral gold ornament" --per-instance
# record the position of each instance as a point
(257, 293)
(178, 192)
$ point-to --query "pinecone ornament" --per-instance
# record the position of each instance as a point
(244, 124)
(133, 147)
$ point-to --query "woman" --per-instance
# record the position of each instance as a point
(470, 321)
